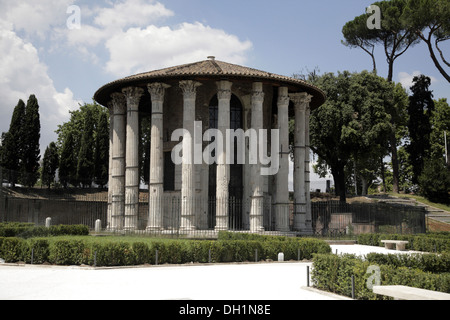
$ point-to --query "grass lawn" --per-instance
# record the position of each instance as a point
(422, 200)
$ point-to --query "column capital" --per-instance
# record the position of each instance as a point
(257, 92)
(283, 97)
(301, 99)
(189, 88)
(224, 90)
(133, 95)
(157, 90)
(118, 103)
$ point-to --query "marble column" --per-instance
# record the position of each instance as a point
(156, 185)
(308, 222)
(257, 198)
(223, 168)
(282, 177)
(111, 134)
(189, 89)
(118, 163)
(300, 103)
(133, 96)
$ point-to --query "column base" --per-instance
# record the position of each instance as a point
(154, 229)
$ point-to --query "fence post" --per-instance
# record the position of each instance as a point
(307, 276)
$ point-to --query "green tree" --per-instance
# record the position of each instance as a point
(31, 134)
(101, 151)
(440, 124)
(434, 180)
(68, 162)
(395, 36)
(352, 124)
(85, 166)
(82, 129)
(430, 21)
(12, 144)
(50, 163)
(420, 108)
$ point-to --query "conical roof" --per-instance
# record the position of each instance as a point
(210, 69)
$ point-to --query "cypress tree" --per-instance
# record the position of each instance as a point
(50, 164)
(67, 162)
(12, 144)
(420, 108)
(101, 152)
(31, 135)
(85, 166)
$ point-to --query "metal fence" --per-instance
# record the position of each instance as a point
(331, 218)
(334, 218)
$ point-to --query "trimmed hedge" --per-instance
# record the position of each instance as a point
(333, 273)
(121, 253)
(433, 242)
(29, 230)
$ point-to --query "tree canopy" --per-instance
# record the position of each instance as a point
(353, 124)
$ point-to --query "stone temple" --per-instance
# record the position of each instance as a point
(222, 195)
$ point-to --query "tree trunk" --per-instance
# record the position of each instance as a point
(339, 183)
(435, 60)
(394, 159)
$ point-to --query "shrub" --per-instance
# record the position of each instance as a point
(11, 249)
(333, 273)
(40, 248)
(69, 252)
(420, 242)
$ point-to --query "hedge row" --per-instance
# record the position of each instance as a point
(113, 253)
(333, 273)
(29, 230)
(439, 242)
(430, 262)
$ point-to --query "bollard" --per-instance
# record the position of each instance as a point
(209, 256)
(32, 255)
(280, 257)
(48, 222)
(95, 258)
(298, 255)
(156, 258)
(98, 225)
(307, 276)
(256, 255)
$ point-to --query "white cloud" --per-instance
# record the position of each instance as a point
(24, 74)
(406, 79)
(35, 17)
(129, 32)
(138, 50)
(132, 13)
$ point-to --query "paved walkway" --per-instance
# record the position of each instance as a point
(262, 281)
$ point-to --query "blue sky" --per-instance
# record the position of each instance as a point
(39, 54)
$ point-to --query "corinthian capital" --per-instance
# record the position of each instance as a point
(257, 92)
(157, 90)
(283, 96)
(224, 90)
(301, 100)
(189, 88)
(133, 95)
(118, 103)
